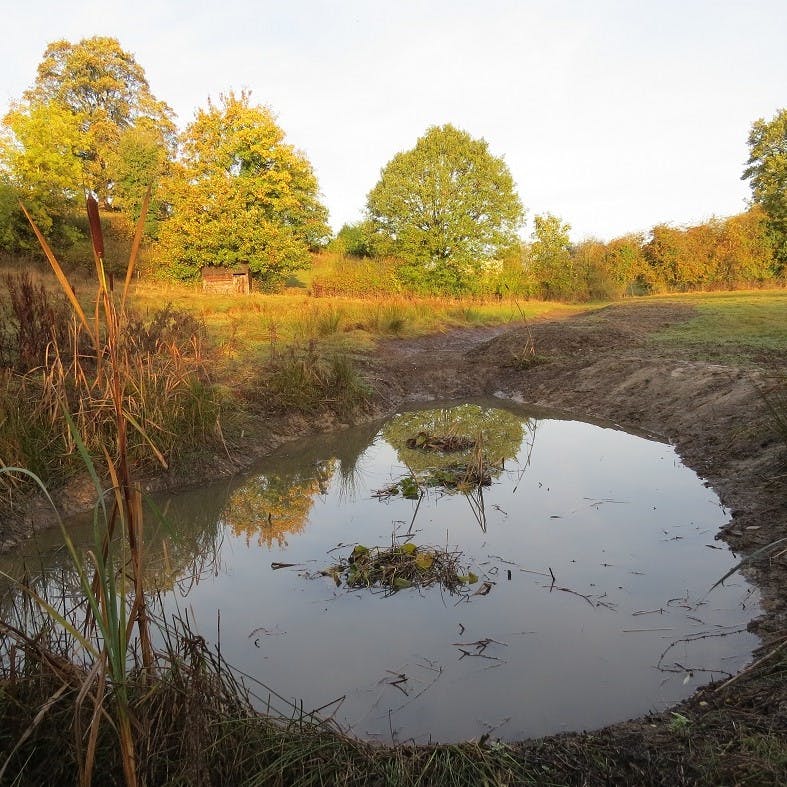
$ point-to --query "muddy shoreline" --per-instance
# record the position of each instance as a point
(601, 365)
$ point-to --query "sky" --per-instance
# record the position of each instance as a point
(611, 114)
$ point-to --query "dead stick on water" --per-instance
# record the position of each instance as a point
(477, 655)
(631, 631)
(695, 638)
(480, 645)
(574, 593)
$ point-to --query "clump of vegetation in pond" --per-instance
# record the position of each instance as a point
(456, 477)
(402, 566)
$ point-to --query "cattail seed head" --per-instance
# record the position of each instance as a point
(96, 235)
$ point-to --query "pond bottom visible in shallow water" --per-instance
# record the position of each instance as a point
(583, 567)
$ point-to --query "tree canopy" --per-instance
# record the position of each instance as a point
(41, 168)
(104, 87)
(549, 258)
(445, 207)
(240, 194)
(767, 171)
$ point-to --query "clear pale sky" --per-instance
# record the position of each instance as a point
(613, 115)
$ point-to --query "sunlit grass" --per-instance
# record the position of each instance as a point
(248, 327)
(748, 320)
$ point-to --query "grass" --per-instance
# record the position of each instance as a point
(749, 327)
(244, 326)
(731, 324)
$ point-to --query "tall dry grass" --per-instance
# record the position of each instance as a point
(106, 384)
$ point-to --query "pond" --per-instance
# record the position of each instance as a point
(581, 559)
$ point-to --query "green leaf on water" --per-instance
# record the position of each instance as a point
(408, 549)
(400, 583)
(424, 561)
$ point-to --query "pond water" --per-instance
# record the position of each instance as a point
(593, 550)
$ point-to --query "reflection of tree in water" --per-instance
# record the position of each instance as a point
(501, 433)
(185, 537)
(498, 434)
(268, 507)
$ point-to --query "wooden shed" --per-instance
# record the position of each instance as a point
(226, 281)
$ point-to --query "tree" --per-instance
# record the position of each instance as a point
(663, 254)
(139, 161)
(104, 87)
(42, 169)
(355, 240)
(445, 207)
(744, 250)
(549, 258)
(240, 194)
(767, 171)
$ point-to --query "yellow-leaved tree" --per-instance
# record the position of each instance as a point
(241, 195)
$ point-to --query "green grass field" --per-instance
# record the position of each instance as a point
(732, 323)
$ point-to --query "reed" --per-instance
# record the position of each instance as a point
(107, 385)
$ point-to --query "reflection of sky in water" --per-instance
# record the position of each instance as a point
(616, 518)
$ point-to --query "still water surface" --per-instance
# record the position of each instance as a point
(626, 530)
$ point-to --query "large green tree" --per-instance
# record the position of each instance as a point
(445, 207)
(106, 90)
(39, 167)
(240, 194)
(548, 258)
(767, 171)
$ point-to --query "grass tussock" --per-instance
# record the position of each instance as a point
(53, 370)
(304, 380)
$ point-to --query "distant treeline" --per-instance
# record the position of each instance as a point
(229, 190)
(731, 253)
